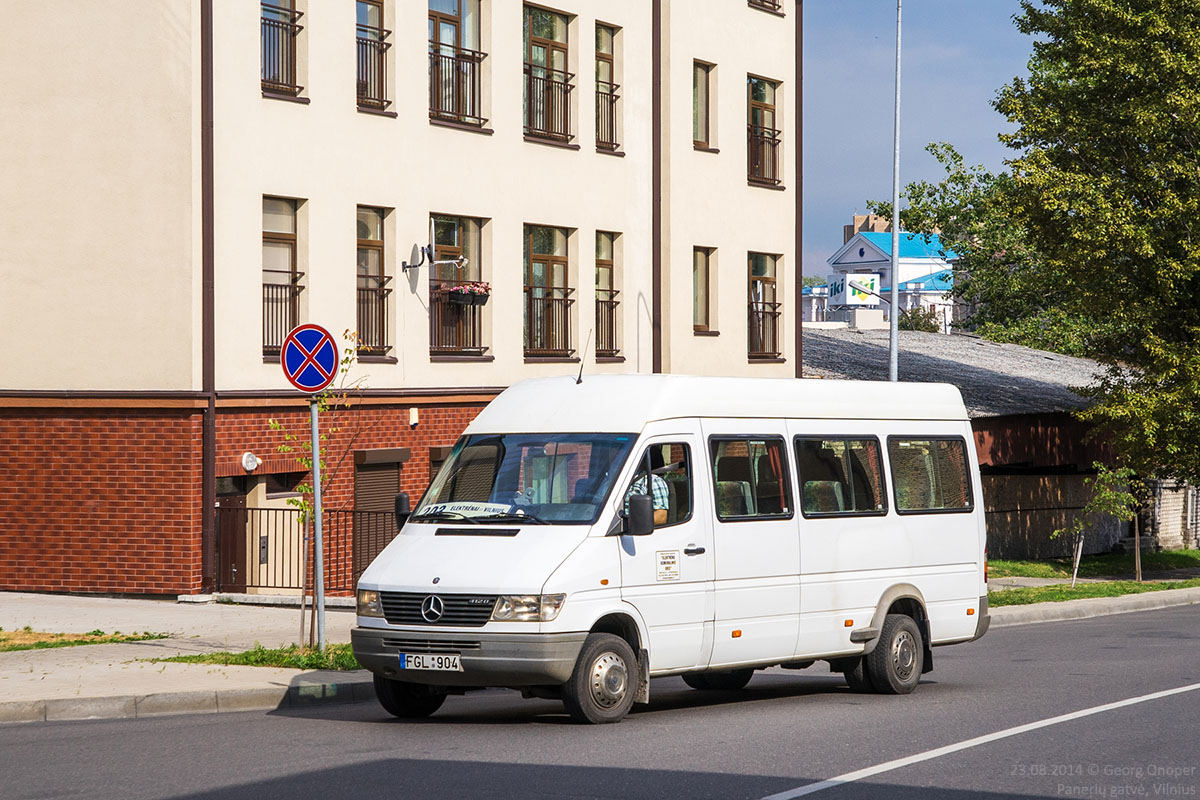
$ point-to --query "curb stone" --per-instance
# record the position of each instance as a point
(1065, 610)
(271, 698)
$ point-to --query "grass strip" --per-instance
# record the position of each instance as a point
(1027, 595)
(38, 640)
(1095, 566)
(336, 656)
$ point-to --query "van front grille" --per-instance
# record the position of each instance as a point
(458, 610)
(429, 645)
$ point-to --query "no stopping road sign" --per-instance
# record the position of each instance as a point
(309, 358)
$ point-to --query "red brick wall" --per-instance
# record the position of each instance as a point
(361, 427)
(103, 500)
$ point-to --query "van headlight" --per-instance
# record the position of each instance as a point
(368, 603)
(528, 607)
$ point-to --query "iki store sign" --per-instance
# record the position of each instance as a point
(838, 296)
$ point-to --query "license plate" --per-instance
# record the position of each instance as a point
(448, 662)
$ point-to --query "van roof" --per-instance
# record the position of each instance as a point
(625, 403)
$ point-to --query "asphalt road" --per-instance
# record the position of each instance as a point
(784, 732)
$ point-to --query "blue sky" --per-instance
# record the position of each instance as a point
(956, 54)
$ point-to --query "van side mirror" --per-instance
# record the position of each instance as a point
(640, 519)
(403, 509)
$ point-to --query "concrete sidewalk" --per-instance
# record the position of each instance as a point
(115, 680)
(118, 680)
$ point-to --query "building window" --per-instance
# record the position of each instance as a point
(371, 40)
(280, 31)
(701, 288)
(457, 293)
(548, 293)
(750, 478)
(764, 310)
(767, 5)
(762, 145)
(606, 88)
(701, 107)
(281, 280)
(373, 289)
(455, 62)
(547, 82)
(606, 295)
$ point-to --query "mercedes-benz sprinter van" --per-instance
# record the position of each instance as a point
(584, 537)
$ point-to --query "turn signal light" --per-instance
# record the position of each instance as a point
(604, 581)
(970, 612)
(849, 623)
(737, 634)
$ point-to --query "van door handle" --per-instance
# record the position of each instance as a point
(693, 550)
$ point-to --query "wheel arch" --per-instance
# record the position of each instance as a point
(629, 625)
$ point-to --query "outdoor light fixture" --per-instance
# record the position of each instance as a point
(250, 462)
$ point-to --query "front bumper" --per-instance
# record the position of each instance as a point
(488, 659)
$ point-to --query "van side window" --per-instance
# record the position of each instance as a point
(930, 474)
(750, 478)
(840, 476)
(670, 482)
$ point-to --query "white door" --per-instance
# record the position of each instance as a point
(757, 581)
(668, 574)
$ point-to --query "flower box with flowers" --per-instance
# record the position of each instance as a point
(472, 293)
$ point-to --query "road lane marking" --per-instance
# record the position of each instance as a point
(851, 777)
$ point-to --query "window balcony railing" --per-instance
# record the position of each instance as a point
(762, 155)
(279, 32)
(764, 329)
(455, 327)
(281, 307)
(372, 317)
(606, 115)
(548, 103)
(768, 5)
(372, 44)
(606, 322)
(454, 84)
(548, 322)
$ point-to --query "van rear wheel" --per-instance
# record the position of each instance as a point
(407, 700)
(729, 681)
(605, 679)
(895, 665)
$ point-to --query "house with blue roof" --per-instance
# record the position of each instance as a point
(924, 267)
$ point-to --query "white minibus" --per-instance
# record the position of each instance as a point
(584, 537)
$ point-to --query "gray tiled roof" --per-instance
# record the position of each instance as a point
(995, 379)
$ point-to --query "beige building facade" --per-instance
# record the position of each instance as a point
(479, 191)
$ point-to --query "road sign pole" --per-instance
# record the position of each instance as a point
(318, 542)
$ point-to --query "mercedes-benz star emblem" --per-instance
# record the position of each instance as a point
(432, 608)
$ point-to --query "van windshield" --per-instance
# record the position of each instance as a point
(549, 478)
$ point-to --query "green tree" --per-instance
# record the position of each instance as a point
(995, 270)
(1105, 189)
(813, 280)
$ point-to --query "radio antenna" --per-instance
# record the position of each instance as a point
(583, 358)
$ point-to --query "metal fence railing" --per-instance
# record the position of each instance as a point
(454, 79)
(764, 329)
(762, 154)
(281, 307)
(606, 115)
(271, 548)
(548, 322)
(606, 322)
(372, 45)
(455, 320)
(279, 32)
(548, 103)
(372, 318)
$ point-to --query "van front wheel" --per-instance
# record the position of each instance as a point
(895, 664)
(602, 686)
(407, 700)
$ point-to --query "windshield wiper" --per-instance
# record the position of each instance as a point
(511, 516)
(443, 516)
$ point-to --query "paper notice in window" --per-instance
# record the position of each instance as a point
(668, 565)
